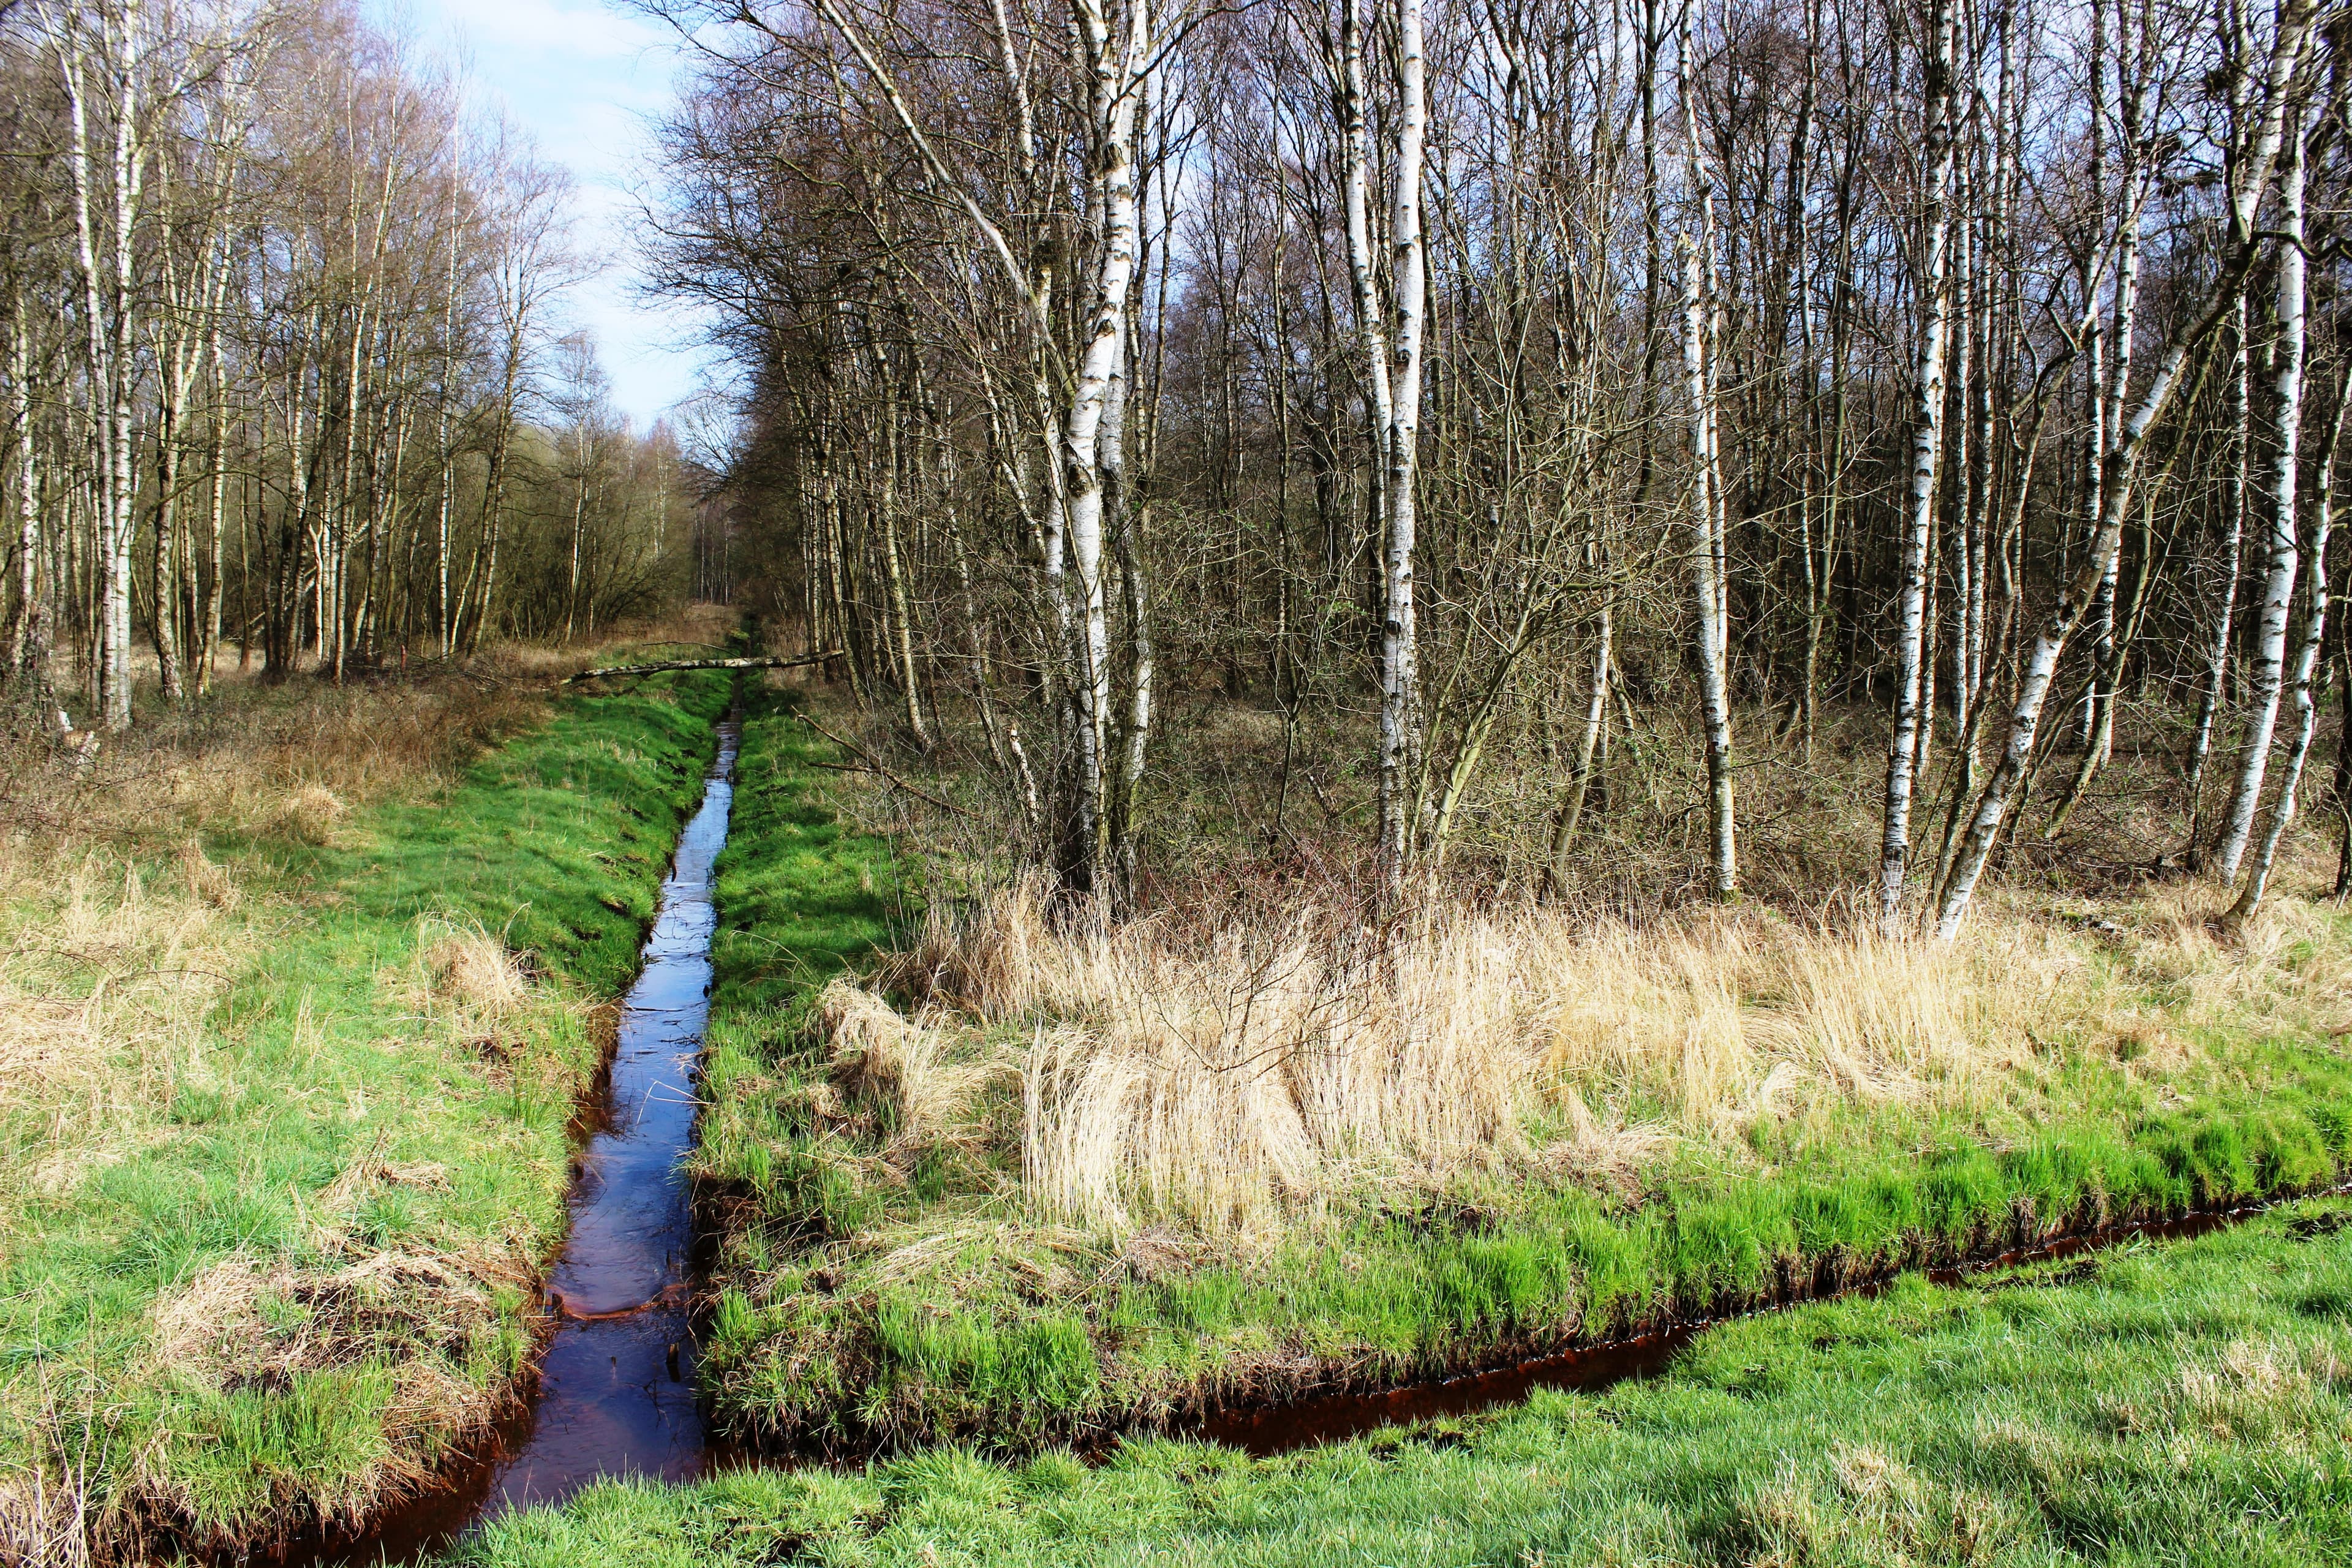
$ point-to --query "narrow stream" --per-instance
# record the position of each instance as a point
(615, 1394)
(1267, 1430)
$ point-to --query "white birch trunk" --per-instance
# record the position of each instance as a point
(26, 662)
(2306, 667)
(1926, 456)
(1706, 552)
(1114, 62)
(104, 265)
(2278, 586)
(2065, 614)
(1399, 635)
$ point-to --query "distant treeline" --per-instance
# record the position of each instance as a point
(282, 368)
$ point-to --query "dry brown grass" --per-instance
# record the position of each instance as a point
(467, 979)
(913, 1067)
(104, 984)
(41, 1514)
(1223, 1071)
(120, 934)
(108, 969)
(299, 757)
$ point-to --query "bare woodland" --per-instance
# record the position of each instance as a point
(1549, 366)
(1540, 378)
(286, 376)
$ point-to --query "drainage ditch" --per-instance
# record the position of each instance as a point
(615, 1394)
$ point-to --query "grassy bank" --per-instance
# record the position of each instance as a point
(800, 897)
(1025, 1180)
(2189, 1401)
(301, 999)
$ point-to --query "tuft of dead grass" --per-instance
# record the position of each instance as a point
(469, 969)
(923, 1077)
(1226, 1072)
(309, 813)
(247, 1322)
(41, 1516)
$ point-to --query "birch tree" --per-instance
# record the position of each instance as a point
(2269, 663)
(1926, 456)
(1707, 549)
(1390, 323)
(2255, 153)
(2306, 680)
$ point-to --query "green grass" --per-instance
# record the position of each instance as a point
(348, 1314)
(2187, 1403)
(1023, 1334)
(864, 1302)
(799, 898)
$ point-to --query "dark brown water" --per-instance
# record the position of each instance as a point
(615, 1389)
(1334, 1417)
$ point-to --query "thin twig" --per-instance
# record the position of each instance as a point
(873, 764)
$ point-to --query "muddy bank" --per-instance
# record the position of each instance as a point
(1336, 1415)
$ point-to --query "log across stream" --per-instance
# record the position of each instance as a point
(615, 1391)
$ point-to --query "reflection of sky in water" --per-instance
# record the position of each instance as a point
(616, 1391)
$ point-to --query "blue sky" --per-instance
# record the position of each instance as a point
(582, 76)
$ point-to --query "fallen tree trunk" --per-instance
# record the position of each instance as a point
(763, 662)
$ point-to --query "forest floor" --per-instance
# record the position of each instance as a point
(297, 1000)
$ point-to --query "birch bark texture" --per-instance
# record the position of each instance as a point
(2268, 667)
(1707, 552)
(1926, 461)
